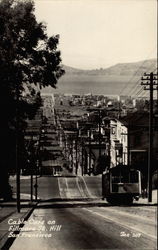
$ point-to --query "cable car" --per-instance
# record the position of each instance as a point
(121, 184)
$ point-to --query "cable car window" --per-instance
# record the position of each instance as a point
(133, 177)
(124, 178)
(115, 179)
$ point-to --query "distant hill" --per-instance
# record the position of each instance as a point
(71, 70)
(135, 68)
(109, 81)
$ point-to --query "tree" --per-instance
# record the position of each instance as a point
(29, 61)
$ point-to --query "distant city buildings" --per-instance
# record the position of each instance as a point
(87, 134)
(98, 132)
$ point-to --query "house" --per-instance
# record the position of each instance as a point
(118, 143)
(129, 142)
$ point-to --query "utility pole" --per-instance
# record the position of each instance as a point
(72, 156)
(89, 151)
(82, 157)
(17, 150)
(76, 147)
(128, 146)
(99, 133)
(31, 168)
(150, 80)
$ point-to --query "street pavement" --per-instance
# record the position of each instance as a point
(87, 228)
(71, 215)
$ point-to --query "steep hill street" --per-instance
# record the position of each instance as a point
(71, 215)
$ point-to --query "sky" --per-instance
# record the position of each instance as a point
(101, 33)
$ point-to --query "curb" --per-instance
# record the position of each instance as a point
(9, 241)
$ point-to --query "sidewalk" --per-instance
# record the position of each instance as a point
(145, 200)
(23, 177)
(8, 214)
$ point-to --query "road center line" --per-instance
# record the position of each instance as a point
(90, 196)
(66, 184)
(68, 190)
(59, 187)
(81, 191)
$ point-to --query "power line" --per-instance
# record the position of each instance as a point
(139, 92)
(149, 82)
(132, 91)
(124, 88)
(135, 88)
(155, 70)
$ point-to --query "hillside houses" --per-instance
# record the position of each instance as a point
(129, 142)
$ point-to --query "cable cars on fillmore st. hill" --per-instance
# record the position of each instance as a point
(121, 184)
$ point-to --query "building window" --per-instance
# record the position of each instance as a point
(137, 139)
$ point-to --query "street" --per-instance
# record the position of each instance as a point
(71, 215)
